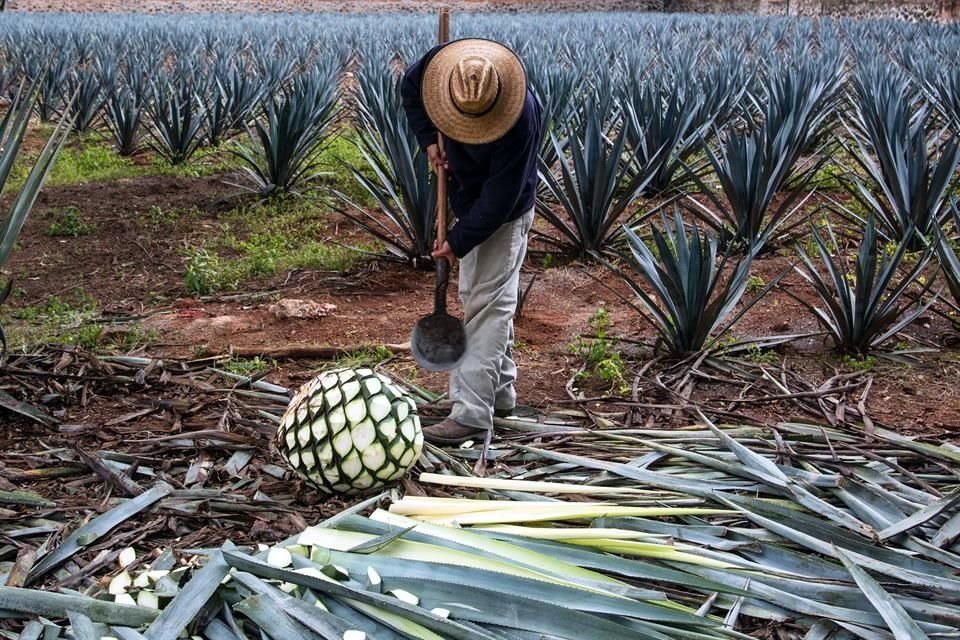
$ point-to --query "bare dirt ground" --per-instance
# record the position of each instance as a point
(132, 267)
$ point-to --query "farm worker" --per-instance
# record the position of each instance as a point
(474, 92)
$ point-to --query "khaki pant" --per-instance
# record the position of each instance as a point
(489, 286)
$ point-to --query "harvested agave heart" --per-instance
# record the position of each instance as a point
(350, 430)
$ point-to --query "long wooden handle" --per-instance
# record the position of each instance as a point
(441, 198)
(443, 36)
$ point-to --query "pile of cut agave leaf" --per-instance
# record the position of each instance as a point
(703, 533)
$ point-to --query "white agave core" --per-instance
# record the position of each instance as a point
(350, 430)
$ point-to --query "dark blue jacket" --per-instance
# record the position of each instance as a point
(491, 184)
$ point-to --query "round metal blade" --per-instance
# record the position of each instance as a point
(439, 342)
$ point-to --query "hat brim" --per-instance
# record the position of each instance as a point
(443, 112)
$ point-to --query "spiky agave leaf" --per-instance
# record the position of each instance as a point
(401, 184)
(754, 165)
(284, 144)
(555, 87)
(693, 294)
(947, 253)
(669, 112)
(123, 113)
(84, 86)
(911, 169)
(230, 95)
(13, 126)
(944, 89)
(51, 75)
(863, 309)
(593, 188)
(176, 117)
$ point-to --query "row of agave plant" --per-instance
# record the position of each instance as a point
(735, 131)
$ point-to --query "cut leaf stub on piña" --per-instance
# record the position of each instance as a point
(350, 431)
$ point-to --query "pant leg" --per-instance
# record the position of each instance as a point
(506, 395)
(489, 283)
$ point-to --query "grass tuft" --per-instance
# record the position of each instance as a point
(69, 223)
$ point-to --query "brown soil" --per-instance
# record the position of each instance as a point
(127, 255)
(127, 261)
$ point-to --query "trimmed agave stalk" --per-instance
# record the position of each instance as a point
(349, 431)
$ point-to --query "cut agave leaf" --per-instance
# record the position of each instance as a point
(898, 620)
(406, 596)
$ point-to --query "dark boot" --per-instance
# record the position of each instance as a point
(451, 432)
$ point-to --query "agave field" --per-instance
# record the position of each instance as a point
(738, 328)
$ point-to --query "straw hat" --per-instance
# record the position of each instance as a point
(474, 90)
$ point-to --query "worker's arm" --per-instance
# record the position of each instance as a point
(420, 123)
(514, 161)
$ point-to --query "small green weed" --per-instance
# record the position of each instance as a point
(755, 284)
(206, 273)
(92, 159)
(266, 237)
(365, 357)
(858, 363)
(761, 356)
(68, 223)
(262, 256)
(158, 217)
(62, 310)
(60, 320)
(131, 337)
(548, 261)
(829, 177)
(88, 336)
(247, 366)
(339, 150)
(599, 354)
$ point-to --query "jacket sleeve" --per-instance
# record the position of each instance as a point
(514, 158)
(420, 123)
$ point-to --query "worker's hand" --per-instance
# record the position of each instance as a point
(437, 158)
(443, 252)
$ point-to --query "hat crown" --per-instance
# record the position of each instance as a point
(474, 85)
